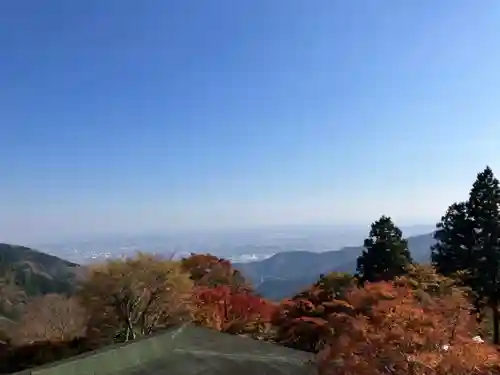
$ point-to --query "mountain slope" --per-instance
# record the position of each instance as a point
(286, 273)
(35, 272)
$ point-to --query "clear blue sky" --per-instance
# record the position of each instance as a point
(134, 116)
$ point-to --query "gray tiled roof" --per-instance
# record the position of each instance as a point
(187, 350)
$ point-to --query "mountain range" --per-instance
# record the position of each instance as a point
(286, 273)
(279, 276)
(239, 246)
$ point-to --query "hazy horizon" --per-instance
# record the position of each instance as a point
(243, 244)
(228, 234)
(127, 117)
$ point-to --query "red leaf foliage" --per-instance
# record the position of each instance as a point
(209, 270)
(227, 310)
(302, 322)
(387, 329)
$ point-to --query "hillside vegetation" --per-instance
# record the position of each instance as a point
(27, 273)
(389, 316)
(36, 273)
(287, 273)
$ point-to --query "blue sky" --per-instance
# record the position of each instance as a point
(136, 116)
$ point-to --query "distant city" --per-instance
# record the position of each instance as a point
(238, 246)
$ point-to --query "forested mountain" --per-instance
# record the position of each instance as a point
(382, 299)
(277, 277)
(410, 300)
(35, 272)
(286, 273)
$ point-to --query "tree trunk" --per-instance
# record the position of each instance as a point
(496, 321)
(130, 331)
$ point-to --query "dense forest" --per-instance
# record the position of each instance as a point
(393, 316)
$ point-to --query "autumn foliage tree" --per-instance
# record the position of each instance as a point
(12, 297)
(425, 280)
(136, 296)
(384, 328)
(52, 317)
(237, 312)
(302, 321)
(211, 271)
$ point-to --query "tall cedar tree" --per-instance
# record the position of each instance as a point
(454, 237)
(484, 211)
(386, 253)
(453, 253)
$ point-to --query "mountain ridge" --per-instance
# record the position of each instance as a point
(29, 272)
(286, 273)
(279, 276)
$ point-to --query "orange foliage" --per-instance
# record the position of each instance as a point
(385, 328)
(52, 317)
(302, 322)
(136, 296)
(209, 270)
(232, 311)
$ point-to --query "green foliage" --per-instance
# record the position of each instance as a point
(468, 244)
(334, 285)
(454, 240)
(429, 285)
(483, 205)
(484, 211)
(386, 253)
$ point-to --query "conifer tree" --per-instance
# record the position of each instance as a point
(484, 211)
(386, 253)
(454, 237)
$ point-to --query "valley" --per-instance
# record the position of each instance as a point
(286, 273)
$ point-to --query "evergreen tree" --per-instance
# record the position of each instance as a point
(386, 253)
(454, 237)
(484, 211)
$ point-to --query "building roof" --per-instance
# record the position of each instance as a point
(186, 350)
